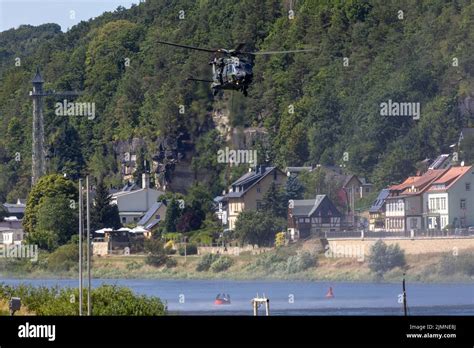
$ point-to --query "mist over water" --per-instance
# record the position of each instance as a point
(196, 297)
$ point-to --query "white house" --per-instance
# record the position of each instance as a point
(450, 199)
(133, 204)
(405, 203)
(9, 236)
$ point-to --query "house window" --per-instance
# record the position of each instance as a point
(326, 220)
(301, 220)
(258, 189)
(306, 220)
(135, 219)
(443, 203)
(259, 205)
(468, 186)
(463, 204)
(124, 219)
(157, 216)
(367, 189)
(414, 223)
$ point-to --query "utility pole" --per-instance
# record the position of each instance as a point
(88, 248)
(404, 297)
(80, 246)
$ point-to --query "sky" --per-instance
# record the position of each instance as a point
(66, 13)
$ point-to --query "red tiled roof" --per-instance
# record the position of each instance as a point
(450, 177)
(407, 183)
(420, 183)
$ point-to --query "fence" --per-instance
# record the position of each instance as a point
(389, 234)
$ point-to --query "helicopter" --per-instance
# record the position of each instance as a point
(232, 69)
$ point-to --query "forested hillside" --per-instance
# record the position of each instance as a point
(406, 51)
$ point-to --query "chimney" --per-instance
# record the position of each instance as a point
(145, 181)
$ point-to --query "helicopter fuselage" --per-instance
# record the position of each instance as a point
(232, 73)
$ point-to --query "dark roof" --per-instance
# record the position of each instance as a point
(38, 78)
(218, 199)
(149, 214)
(15, 208)
(379, 201)
(305, 207)
(152, 224)
(248, 180)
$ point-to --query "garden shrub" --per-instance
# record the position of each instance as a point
(221, 264)
(301, 262)
(206, 261)
(383, 258)
(106, 300)
(191, 249)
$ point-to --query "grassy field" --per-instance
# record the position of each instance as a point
(283, 263)
(274, 265)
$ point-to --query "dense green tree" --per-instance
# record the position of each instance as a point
(383, 258)
(49, 186)
(467, 150)
(56, 222)
(275, 201)
(103, 214)
(315, 107)
(257, 227)
(294, 189)
(173, 213)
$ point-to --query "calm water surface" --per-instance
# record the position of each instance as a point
(196, 297)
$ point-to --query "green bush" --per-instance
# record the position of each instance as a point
(106, 300)
(174, 236)
(221, 264)
(156, 260)
(202, 237)
(154, 246)
(191, 249)
(134, 265)
(301, 262)
(383, 258)
(171, 262)
(206, 261)
(157, 254)
(64, 258)
(463, 264)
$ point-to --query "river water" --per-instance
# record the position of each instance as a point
(196, 297)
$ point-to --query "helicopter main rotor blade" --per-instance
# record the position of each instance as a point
(188, 47)
(280, 52)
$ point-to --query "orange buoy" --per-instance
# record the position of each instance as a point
(330, 293)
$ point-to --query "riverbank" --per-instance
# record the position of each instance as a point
(280, 264)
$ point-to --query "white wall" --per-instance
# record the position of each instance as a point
(458, 192)
(140, 200)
